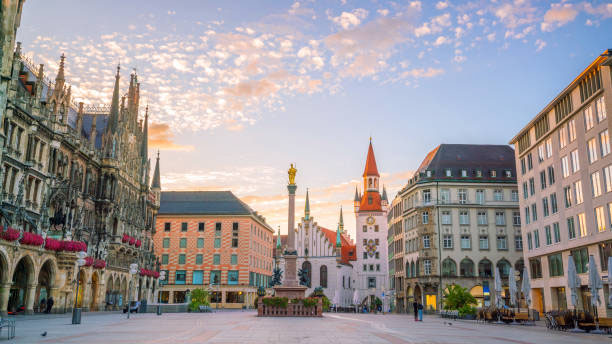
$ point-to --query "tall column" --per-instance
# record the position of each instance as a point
(30, 296)
(55, 294)
(291, 255)
(5, 291)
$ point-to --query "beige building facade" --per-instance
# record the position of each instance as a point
(565, 177)
(459, 221)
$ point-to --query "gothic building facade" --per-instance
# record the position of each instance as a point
(73, 177)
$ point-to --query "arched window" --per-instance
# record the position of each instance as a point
(466, 267)
(520, 266)
(323, 276)
(369, 182)
(504, 268)
(485, 268)
(449, 267)
(412, 270)
(408, 269)
(306, 267)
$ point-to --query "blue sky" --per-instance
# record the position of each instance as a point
(238, 90)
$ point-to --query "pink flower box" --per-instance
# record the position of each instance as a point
(99, 264)
(132, 241)
(53, 245)
(125, 238)
(89, 261)
(32, 239)
(10, 234)
(138, 243)
(74, 246)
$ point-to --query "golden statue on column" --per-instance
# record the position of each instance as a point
(292, 171)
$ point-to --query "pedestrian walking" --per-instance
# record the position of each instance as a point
(420, 312)
(415, 306)
(49, 304)
(43, 305)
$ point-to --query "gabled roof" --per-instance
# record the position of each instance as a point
(202, 203)
(472, 158)
(347, 246)
(370, 166)
(375, 205)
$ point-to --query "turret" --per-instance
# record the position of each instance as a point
(357, 200)
(384, 199)
(341, 222)
(338, 248)
(307, 208)
(156, 184)
(114, 108)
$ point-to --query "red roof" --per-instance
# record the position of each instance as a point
(348, 251)
(370, 166)
(375, 205)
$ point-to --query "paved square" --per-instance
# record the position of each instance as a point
(245, 327)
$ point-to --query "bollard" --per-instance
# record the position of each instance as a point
(159, 312)
(76, 316)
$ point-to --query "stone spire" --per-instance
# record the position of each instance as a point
(357, 198)
(156, 184)
(307, 207)
(341, 222)
(384, 194)
(59, 79)
(145, 137)
(338, 237)
(114, 109)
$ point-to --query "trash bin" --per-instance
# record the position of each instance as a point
(76, 316)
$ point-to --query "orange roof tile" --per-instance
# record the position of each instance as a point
(370, 166)
(375, 205)
(347, 245)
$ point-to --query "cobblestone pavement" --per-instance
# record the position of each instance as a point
(245, 327)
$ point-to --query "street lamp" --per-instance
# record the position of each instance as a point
(76, 312)
(133, 271)
(162, 277)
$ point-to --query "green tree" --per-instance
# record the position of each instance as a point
(199, 297)
(458, 298)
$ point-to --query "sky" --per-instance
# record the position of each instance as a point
(238, 90)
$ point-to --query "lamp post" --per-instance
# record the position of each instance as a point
(76, 311)
(133, 271)
(162, 277)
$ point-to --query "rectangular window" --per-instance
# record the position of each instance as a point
(536, 268)
(567, 194)
(588, 118)
(500, 218)
(483, 242)
(462, 196)
(199, 259)
(218, 229)
(527, 217)
(543, 180)
(364, 228)
(426, 196)
(523, 166)
(555, 265)
(572, 130)
(553, 203)
(502, 242)
(531, 186)
(215, 277)
(545, 211)
(216, 259)
(604, 142)
(516, 218)
(200, 243)
(608, 178)
(425, 217)
(365, 255)
(181, 258)
(575, 161)
(166, 243)
(578, 191)
(482, 218)
(426, 243)
(600, 108)
(518, 242)
(464, 218)
(372, 282)
(529, 162)
(541, 153)
(536, 238)
(534, 212)
(515, 195)
(525, 191)
(466, 243)
(444, 196)
(180, 277)
(563, 137)
(183, 226)
(600, 219)
(427, 267)
(565, 171)
(581, 260)
(548, 234)
(571, 228)
(164, 259)
(549, 148)
(232, 277)
(529, 242)
(498, 195)
(217, 242)
(582, 228)
(551, 175)
(234, 259)
(595, 184)
(197, 277)
(167, 227)
(183, 243)
(447, 241)
(480, 196)
(201, 227)
(446, 218)
(592, 150)
(556, 232)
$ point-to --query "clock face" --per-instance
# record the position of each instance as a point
(370, 220)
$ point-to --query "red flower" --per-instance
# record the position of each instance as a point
(73, 246)
(31, 239)
(10, 234)
(125, 238)
(53, 245)
(99, 264)
(156, 274)
(132, 241)
(138, 243)
(89, 261)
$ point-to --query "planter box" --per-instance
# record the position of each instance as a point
(292, 310)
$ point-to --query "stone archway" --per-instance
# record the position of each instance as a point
(108, 297)
(5, 283)
(23, 287)
(93, 304)
(81, 292)
(124, 292)
(418, 294)
(46, 281)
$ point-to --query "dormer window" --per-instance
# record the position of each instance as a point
(428, 173)
(448, 172)
(463, 173)
(493, 174)
(479, 173)
(508, 174)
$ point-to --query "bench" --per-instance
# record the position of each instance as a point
(205, 309)
(10, 327)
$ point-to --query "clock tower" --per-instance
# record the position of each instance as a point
(371, 272)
